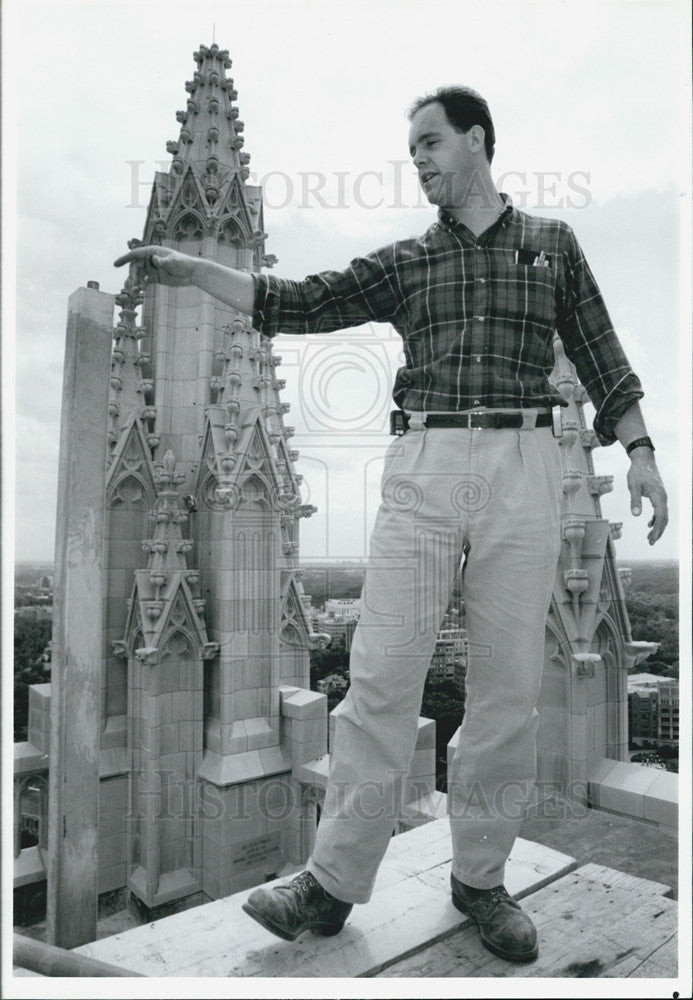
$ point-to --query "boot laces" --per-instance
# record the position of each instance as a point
(303, 886)
(495, 897)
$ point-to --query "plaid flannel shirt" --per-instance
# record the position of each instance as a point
(477, 316)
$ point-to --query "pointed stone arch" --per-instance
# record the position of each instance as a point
(188, 226)
(231, 232)
(293, 626)
(130, 478)
(256, 492)
(178, 643)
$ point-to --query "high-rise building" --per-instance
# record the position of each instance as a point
(653, 709)
(449, 659)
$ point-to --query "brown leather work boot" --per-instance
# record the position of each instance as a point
(505, 929)
(300, 905)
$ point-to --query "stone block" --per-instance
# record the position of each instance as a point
(211, 884)
(452, 745)
(274, 760)
(423, 763)
(247, 704)
(40, 696)
(661, 800)
(430, 806)
(111, 824)
(112, 877)
(232, 739)
(169, 741)
(112, 850)
(113, 796)
(623, 788)
(597, 732)
(182, 706)
(314, 772)
(599, 770)
(114, 761)
(306, 730)
(304, 704)
(260, 735)
(426, 733)
(115, 730)
(212, 735)
(578, 737)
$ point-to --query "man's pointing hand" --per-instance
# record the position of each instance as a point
(167, 267)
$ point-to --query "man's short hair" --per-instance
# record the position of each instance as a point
(463, 107)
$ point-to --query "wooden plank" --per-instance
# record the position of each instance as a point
(409, 910)
(592, 923)
(615, 878)
(77, 630)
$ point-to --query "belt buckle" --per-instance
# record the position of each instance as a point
(470, 422)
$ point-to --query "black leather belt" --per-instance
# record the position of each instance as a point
(399, 421)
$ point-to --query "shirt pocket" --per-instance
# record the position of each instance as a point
(527, 293)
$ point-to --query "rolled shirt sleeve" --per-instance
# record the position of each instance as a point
(592, 345)
(330, 300)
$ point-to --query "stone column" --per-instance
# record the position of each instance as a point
(77, 666)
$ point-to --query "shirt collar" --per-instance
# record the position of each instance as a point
(449, 222)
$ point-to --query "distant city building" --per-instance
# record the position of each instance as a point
(669, 711)
(35, 613)
(449, 660)
(653, 709)
(335, 626)
(348, 608)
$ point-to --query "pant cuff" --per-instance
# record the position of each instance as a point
(479, 881)
(331, 885)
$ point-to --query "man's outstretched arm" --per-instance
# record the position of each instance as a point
(644, 479)
(168, 267)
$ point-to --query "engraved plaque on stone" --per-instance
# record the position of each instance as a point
(253, 853)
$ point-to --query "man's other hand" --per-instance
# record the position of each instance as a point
(644, 480)
(158, 264)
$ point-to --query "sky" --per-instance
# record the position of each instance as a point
(590, 104)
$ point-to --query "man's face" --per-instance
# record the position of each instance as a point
(444, 158)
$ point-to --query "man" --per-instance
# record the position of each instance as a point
(477, 300)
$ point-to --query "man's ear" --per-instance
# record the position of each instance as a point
(476, 136)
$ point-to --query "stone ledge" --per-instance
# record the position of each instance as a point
(27, 757)
(231, 769)
(634, 790)
(29, 866)
(410, 910)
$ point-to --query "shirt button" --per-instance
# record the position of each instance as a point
(482, 281)
(481, 318)
(478, 357)
(476, 402)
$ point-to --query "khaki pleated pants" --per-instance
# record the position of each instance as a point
(491, 497)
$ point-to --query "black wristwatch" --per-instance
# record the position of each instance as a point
(643, 442)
